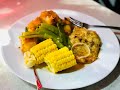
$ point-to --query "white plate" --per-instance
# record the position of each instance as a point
(90, 74)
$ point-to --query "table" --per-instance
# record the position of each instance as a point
(12, 10)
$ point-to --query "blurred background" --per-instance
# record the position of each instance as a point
(111, 4)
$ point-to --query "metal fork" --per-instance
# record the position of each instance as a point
(81, 24)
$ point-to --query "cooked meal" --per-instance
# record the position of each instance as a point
(58, 43)
(57, 61)
(90, 39)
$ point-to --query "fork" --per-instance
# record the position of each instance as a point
(82, 24)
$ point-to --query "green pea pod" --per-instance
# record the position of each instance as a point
(29, 33)
(55, 38)
(62, 34)
(58, 43)
(31, 36)
(69, 43)
(45, 35)
(48, 34)
(49, 27)
(65, 38)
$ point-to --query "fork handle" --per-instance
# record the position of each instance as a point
(39, 85)
(112, 27)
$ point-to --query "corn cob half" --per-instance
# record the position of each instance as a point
(60, 60)
(37, 53)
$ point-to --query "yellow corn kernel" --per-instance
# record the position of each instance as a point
(39, 51)
(60, 60)
(29, 58)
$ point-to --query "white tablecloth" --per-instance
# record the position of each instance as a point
(12, 10)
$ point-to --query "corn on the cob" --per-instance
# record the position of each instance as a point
(38, 52)
(30, 59)
(60, 60)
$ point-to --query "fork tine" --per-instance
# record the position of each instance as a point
(69, 19)
(78, 23)
(73, 19)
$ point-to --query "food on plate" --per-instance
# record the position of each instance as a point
(91, 39)
(68, 26)
(27, 43)
(58, 43)
(33, 24)
(29, 59)
(37, 53)
(60, 60)
(49, 17)
(82, 48)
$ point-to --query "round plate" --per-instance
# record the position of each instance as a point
(90, 74)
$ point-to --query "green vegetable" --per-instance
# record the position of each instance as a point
(62, 34)
(45, 26)
(43, 34)
(46, 31)
(55, 38)
(69, 44)
(65, 38)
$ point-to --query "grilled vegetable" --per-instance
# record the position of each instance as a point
(57, 61)
(37, 53)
